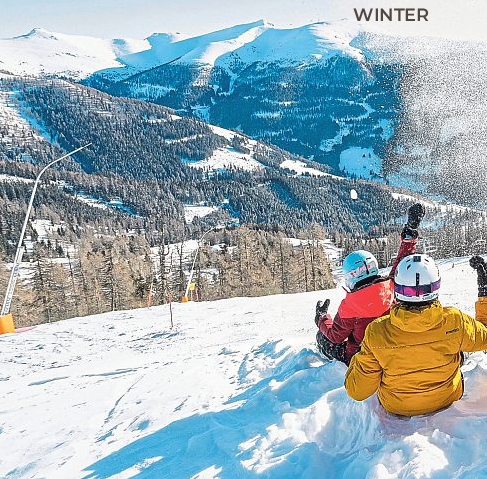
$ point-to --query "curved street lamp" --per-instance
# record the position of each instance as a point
(20, 250)
(185, 298)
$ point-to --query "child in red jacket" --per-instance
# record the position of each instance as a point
(369, 296)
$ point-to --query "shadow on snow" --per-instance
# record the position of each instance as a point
(215, 441)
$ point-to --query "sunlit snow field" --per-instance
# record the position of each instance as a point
(235, 390)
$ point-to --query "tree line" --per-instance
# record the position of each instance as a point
(106, 273)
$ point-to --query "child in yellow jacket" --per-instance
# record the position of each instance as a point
(412, 356)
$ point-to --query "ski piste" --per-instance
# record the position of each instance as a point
(235, 389)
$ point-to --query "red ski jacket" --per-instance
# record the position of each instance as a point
(361, 306)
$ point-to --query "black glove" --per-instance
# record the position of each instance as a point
(415, 215)
(408, 232)
(478, 263)
(321, 309)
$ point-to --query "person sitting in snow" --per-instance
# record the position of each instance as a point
(369, 296)
(412, 355)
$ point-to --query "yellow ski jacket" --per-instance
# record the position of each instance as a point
(411, 357)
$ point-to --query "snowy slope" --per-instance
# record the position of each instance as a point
(234, 390)
(300, 168)
(317, 41)
(201, 49)
(15, 122)
(360, 162)
(44, 52)
(249, 43)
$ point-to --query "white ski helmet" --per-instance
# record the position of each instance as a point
(417, 279)
(359, 265)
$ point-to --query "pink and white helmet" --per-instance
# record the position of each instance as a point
(417, 279)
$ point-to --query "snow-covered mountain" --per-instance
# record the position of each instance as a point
(357, 102)
(234, 390)
(141, 142)
(41, 52)
(248, 43)
(262, 80)
(306, 89)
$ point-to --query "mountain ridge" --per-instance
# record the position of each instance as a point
(246, 40)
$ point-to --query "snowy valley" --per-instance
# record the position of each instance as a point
(330, 92)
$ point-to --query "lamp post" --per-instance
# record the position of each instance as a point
(185, 298)
(6, 317)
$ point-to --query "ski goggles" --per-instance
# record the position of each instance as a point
(418, 290)
(363, 268)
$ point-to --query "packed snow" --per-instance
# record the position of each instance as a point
(235, 390)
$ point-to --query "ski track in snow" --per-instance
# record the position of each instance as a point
(235, 390)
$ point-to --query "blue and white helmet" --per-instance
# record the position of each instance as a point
(359, 265)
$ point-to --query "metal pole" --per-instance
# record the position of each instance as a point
(20, 250)
(194, 260)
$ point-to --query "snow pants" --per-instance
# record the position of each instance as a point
(331, 350)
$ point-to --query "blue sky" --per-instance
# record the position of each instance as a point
(140, 18)
(131, 18)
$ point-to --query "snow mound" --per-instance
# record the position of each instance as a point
(234, 390)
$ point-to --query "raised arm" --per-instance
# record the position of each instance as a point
(409, 235)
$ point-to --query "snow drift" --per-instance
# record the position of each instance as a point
(235, 390)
